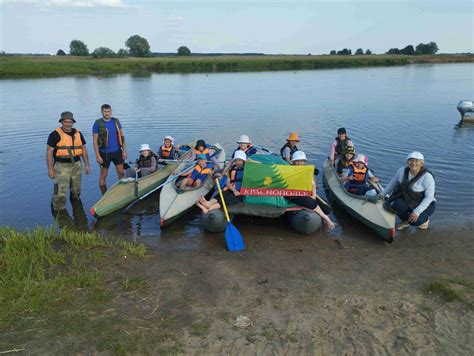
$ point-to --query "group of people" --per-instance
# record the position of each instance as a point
(410, 194)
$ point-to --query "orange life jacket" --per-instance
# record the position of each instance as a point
(204, 152)
(166, 152)
(68, 146)
(205, 170)
(360, 175)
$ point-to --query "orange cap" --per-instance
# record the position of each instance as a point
(293, 137)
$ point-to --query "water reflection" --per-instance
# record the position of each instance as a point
(388, 112)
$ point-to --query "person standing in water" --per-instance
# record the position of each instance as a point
(65, 148)
(109, 145)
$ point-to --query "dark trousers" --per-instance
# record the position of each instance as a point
(403, 211)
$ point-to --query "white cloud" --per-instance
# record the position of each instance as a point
(70, 3)
(175, 19)
(87, 3)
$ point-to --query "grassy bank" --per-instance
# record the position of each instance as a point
(14, 67)
(80, 293)
(60, 283)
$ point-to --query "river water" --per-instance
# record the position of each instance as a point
(388, 112)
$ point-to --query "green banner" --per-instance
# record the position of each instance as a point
(262, 179)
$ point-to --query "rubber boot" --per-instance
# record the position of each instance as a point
(103, 189)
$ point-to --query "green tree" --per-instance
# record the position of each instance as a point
(368, 52)
(427, 48)
(344, 52)
(78, 48)
(333, 52)
(393, 51)
(103, 52)
(359, 52)
(122, 52)
(60, 52)
(184, 51)
(138, 46)
(408, 50)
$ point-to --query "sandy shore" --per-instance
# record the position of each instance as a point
(311, 295)
(285, 294)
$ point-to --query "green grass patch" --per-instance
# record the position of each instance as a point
(28, 66)
(42, 271)
(132, 249)
(450, 290)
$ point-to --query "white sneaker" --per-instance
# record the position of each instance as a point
(424, 225)
(402, 225)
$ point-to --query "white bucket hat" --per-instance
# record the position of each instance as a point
(299, 155)
(360, 158)
(244, 139)
(145, 147)
(416, 155)
(240, 155)
(171, 138)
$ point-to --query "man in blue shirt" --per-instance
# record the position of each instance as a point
(109, 145)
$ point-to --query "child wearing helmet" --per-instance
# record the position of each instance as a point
(231, 191)
(357, 177)
(344, 163)
(299, 159)
(198, 174)
(167, 149)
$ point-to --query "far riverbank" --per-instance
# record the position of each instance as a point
(57, 66)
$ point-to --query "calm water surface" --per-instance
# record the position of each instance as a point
(388, 112)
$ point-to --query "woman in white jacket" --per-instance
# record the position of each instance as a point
(412, 193)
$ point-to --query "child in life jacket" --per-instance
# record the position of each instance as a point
(357, 177)
(198, 174)
(145, 164)
(344, 163)
(231, 193)
(203, 148)
(167, 149)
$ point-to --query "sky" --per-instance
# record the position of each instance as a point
(262, 26)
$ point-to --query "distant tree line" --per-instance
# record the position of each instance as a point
(136, 46)
(422, 48)
(348, 52)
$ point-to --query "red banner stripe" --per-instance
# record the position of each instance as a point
(274, 192)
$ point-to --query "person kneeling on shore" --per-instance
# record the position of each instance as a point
(299, 159)
(231, 191)
(412, 192)
(198, 175)
(358, 175)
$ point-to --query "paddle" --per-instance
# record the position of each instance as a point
(135, 186)
(233, 238)
(170, 179)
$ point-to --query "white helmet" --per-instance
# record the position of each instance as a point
(145, 147)
(244, 139)
(360, 158)
(168, 138)
(416, 155)
(299, 155)
(240, 155)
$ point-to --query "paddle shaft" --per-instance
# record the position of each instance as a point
(169, 180)
(223, 201)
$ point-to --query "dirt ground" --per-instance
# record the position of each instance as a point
(300, 295)
(313, 295)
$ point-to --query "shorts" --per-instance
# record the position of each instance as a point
(229, 197)
(109, 157)
(310, 203)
